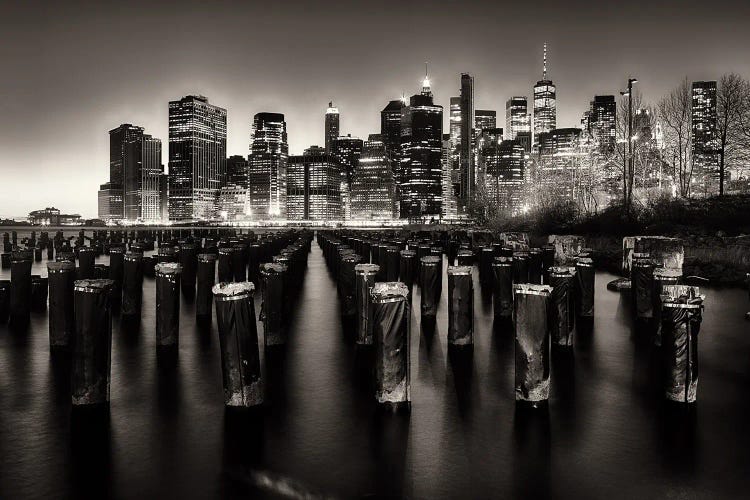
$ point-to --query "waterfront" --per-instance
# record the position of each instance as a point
(607, 431)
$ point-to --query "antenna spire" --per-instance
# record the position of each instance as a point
(544, 69)
(426, 82)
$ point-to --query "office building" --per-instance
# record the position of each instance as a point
(467, 160)
(516, 117)
(237, 170)
(601, 123)
(372, 188)
(314, 186)
(331, 126)
(421, 144)
(267, 176)
(545, 104)
(197, 157)
(142, 172)
(484, 119)
(704, 147)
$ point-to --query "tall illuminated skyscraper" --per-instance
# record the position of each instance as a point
(237, 168)
(332, 126)
(421, 144)
(372, 187)
(467, 159)
(516, 117)
(142, 176)
(390, 132)
(112, 194)
(314, 186)
(484, 118)
(266, 178)
(602, 123)
(504, 170)
(346, 150)
(454, 154)
(197, 157)
(545, 105)
(704, 138)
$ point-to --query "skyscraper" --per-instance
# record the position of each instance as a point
(504, 165)
(197, 157)
(467, 134)
(453, 168)
(372, 187)
(142, 170)
(484, 118)
(332, 126)
(313, 186)
(346, 151)
(237, 169)
(449, 162)
(545, 106)
(421, 144)
(112, 193)
(390, 131)
(704, 138)
(267, 176)
(516, 117)
(602, 123)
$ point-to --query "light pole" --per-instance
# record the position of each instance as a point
(629, 171)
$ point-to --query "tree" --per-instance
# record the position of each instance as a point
(732, 101)
(675, 115)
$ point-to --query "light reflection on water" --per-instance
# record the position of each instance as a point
(606, 432)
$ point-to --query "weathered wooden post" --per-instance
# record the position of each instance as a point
(61, 277)
(585, 286)
(408, 268)
(92, 342)
(561, 313)
(390, 324)
(431, 284)
(273, 277)
(226, 273)
(503, 290)
(641, 273)
(206, 277)
(365, 279)
(682, 311)
(662, 277)
(238, 337)
(167, 304)
(4, 301)
(460, 306)
(132, 284)
(116, 271)
(20, 289)
(86, 260)
(189, 263)
(532, 344)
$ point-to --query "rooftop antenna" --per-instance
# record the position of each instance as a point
(544, 70)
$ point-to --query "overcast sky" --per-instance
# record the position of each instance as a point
(70, 71)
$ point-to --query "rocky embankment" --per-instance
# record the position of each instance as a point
(723, 260)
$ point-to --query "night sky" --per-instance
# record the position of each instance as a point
(73, 70)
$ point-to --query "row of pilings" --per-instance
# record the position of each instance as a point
(84, 297)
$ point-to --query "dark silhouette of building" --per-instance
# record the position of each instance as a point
(197, 157)
(467, 160)
(421, 144)
(237, 170)
(484, 119)
(267, 175)
(390, 131)
(111, 194)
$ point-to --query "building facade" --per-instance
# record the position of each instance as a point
(314, 186)
(390, 132)
(421, 150)
(372, 188)
(516, 117)
(267, 174)
(331, 126)
(142, 172)
(197, 157)
(484, 119)
(467, 160)
(602, 123)
(504, 167)
(237, 170)
(119, 138)
(704, 147)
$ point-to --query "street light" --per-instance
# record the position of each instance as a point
(629, 93)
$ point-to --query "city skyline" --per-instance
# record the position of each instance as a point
(60, 105)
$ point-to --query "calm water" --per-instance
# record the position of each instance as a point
(607, 431)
